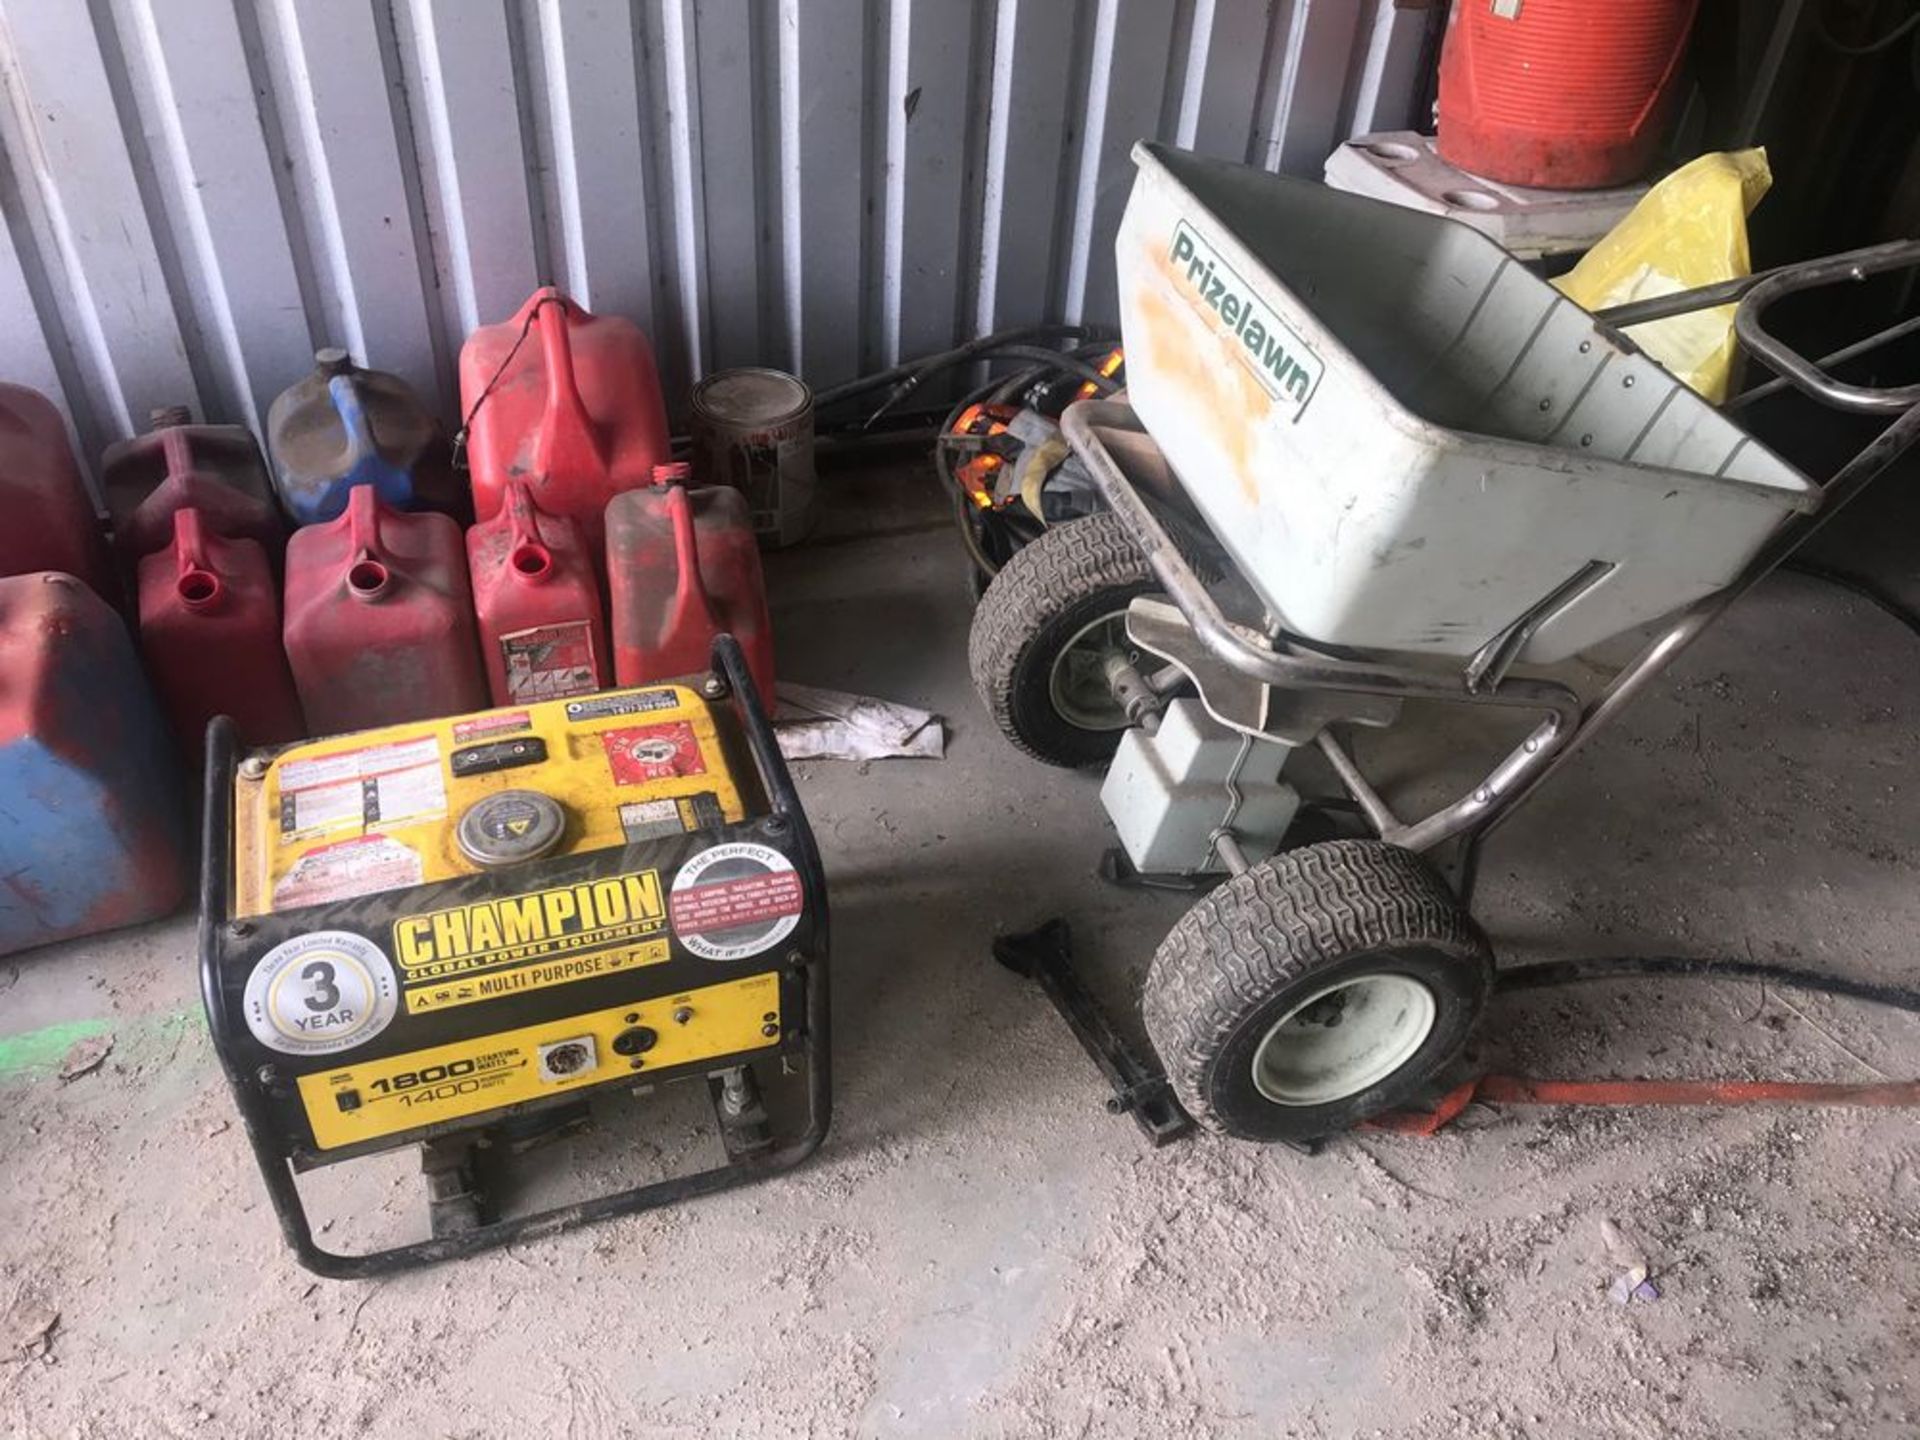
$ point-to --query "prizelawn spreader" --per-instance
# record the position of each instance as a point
(1365, 457)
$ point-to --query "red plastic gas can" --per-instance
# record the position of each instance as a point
(47, 522)
(379, 618)
(537, 599)
(215, 469)
(566, 400)
(92, 833)
(1563, 94)
(683, 566)
(210, 627)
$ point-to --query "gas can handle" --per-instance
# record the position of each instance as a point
(353, 419)
(175, 451)
(566, 413)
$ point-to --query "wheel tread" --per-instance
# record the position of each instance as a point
(1066, 566)
(1268, 927)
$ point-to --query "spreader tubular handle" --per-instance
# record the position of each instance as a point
(1794, 367)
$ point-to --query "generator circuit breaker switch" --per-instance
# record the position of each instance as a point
(461, 932)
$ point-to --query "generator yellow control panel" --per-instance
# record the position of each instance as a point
(352, 815)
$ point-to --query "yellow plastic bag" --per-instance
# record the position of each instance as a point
(1690, 229)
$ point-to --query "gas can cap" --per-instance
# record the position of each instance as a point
(510, 827)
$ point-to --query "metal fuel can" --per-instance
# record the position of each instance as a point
(753, 431)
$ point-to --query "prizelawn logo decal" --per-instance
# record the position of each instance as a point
(1280, 359)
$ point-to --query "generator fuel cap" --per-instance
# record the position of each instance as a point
(510, 827)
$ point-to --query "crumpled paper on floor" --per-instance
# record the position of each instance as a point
(815, 724)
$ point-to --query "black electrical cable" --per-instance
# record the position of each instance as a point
(972, 349)
(459, 446)
(1053, 359)
(1871, 47)
(1550, 973)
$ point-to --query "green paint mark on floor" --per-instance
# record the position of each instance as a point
(35, 1053)
(45, 1048)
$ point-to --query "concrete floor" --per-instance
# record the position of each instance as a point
(981, 1250)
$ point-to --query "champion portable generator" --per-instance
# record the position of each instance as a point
(462, 934)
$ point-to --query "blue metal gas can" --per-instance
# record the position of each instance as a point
(92, 825)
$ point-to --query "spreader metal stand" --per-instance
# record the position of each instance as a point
(1366, 458)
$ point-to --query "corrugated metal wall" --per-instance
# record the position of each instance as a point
(199, 192)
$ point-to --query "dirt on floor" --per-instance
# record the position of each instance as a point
(981, 1249)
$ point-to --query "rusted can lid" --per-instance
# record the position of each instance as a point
(751, 396)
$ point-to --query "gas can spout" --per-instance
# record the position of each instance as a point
(368, 576)
(197, 583)
(529, 557)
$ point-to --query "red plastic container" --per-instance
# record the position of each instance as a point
(567, 401)
(379, 618)
(1562, 94)
(542, 632)
(683, 566)
(215, 469)
(210, 627)
(92, 832)
(50, 521)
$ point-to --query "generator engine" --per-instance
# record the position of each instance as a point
(463, 934)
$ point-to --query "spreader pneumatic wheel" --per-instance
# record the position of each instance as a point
(1044, 631)
(1315, 989)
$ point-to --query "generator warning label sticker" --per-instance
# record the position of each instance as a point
(380, 784)
(486, 727)
(363, 866)
(546, 924)
(320, 993)
(736, 900)
(600, 707)
(495, 984)
(644, 753)
(549, 662)
(656, 819)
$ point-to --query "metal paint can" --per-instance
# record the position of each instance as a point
(753, 430)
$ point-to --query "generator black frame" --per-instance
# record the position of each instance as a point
(729, 676)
